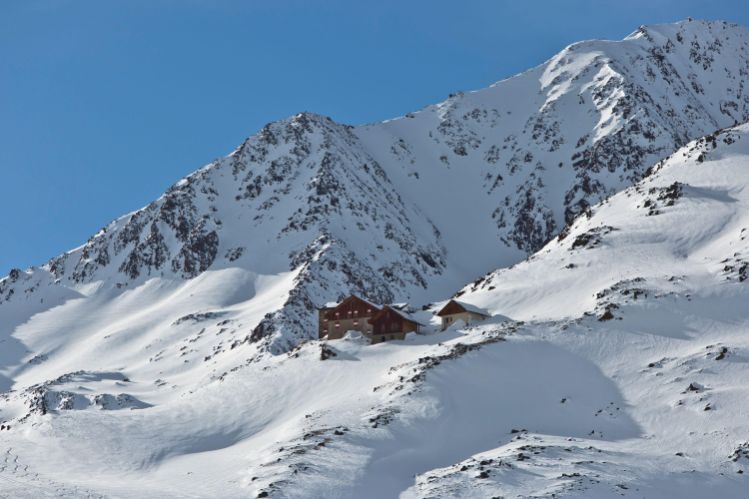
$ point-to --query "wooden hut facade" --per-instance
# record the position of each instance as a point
(457, 310)
(352, 314)
(356, 314)
(391, 324)
(323, 320)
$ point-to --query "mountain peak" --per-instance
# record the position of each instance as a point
(596, 203)
(689, 31)
(520, 160)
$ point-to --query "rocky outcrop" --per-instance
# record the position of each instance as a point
(375, 209)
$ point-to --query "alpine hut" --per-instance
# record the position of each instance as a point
(457, 310)
(391, 324)
(352, 314)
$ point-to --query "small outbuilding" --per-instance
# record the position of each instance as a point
(457, 310)
(391, 324)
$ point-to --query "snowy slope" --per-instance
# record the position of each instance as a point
(500, 170)
(134, 365)
(545, 144)
(651, 289)
(552, 396)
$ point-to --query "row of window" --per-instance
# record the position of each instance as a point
(338, 325)
(355, 312)
(394, 326)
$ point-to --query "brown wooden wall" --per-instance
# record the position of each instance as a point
(352, 313)
(323, 321)
(389, 321)
(353, 306)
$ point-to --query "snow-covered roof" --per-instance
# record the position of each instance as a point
(334, 304)
(373, 305)
(408, 316)
(473, 308)
(468, 307)
(404, 315)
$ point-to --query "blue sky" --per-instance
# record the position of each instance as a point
(104, 103)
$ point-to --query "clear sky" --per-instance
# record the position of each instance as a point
(104, 104)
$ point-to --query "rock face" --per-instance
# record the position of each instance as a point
(412, 208)
(613, 359)
(627, 283)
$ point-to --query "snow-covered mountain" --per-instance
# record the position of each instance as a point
(615, 365)
(144, 354)
(412, 208)
(649, 288)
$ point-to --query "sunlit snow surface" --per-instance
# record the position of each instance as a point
(617, 363)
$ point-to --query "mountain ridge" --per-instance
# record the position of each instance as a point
(176, 353)
(520, 159)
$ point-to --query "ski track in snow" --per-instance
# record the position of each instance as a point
(16, 480)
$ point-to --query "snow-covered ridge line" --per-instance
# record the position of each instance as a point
(388, 210)
(649, 286)
(613, 364)
(706, 174)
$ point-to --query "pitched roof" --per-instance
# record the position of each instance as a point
(346, 303)
(455, 307)
(400, 313)
(373, 305)
(359, 298)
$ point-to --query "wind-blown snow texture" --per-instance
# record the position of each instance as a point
(141, 362)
